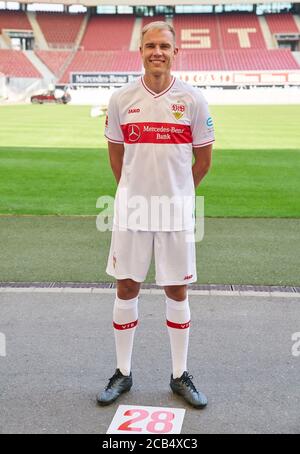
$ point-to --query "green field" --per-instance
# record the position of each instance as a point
(54, 161)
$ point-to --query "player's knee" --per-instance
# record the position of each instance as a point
(176, 292)
(127, 289)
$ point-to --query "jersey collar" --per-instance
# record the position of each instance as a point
(157, 95)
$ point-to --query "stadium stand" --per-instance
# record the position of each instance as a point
(201, 60)
(211, 42)
(226, 31)
(14, 20)
(196, 32)
(60, 29)
(240, 31)
(54, 59)
(14, 63)
(260, 59)
(240, 60)
(282, 23)
(105, 61)
(105, 33)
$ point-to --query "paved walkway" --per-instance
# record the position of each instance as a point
(60, 353)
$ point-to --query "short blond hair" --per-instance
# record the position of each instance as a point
(157, 25)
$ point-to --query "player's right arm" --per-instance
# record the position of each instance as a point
(116, 154)
(114, 135)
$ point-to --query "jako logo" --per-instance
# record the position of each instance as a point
(296, 346)
(136, 110)
(188, 277)
(2, 344)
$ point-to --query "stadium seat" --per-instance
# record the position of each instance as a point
(60, 29)
(14, 20)
(54, 59)
(231, 60)
(13, 63)
(196, 32)
(240, 31)
(105, 33)
(282, 23)
(103, 61)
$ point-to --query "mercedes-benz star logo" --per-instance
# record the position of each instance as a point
(134, 133)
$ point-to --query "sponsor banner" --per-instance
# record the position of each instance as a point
(223, 78)
(200, 78)
(156, 133)
(95, 78)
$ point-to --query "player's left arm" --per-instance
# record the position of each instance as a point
(203, 162)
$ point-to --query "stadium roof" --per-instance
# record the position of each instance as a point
(153, 2)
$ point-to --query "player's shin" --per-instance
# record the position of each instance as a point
(178, 322)
(125, 319)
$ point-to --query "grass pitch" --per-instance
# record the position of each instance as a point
(53, 160)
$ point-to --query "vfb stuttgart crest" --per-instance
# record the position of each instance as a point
(178, 109)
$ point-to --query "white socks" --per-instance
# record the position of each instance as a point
(125, 319)
(178, 322)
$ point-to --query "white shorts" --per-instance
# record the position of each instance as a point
(131, 253)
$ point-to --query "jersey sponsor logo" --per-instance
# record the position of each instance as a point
(209, 122)
(134, 110)
(162, 133)
(134, 133)
(178, 109)
(189, 276)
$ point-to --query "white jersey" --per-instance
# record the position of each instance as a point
(159, 132)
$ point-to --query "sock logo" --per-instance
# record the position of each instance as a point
(178, 325)
(125, 325)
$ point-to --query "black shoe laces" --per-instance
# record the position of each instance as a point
(112, 380)
(187, 380)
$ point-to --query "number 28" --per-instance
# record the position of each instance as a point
(160, 421)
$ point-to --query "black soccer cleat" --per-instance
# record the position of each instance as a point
(186, 388)
(117, 385)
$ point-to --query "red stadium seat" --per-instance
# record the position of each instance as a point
(107, 33)
(60, 29)
(14, 20)
(103, 61)
(54, 59)
(275, 59)
(282, 23)
(240, 31)
(196, 32)
(14, 63)
(231, 60)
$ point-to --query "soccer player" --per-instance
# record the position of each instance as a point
(154, 127)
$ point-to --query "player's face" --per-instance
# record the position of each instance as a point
(158, 51)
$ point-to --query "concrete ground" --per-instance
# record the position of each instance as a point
(60, 353)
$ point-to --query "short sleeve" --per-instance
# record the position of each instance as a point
(201, 123)
(113, 131)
